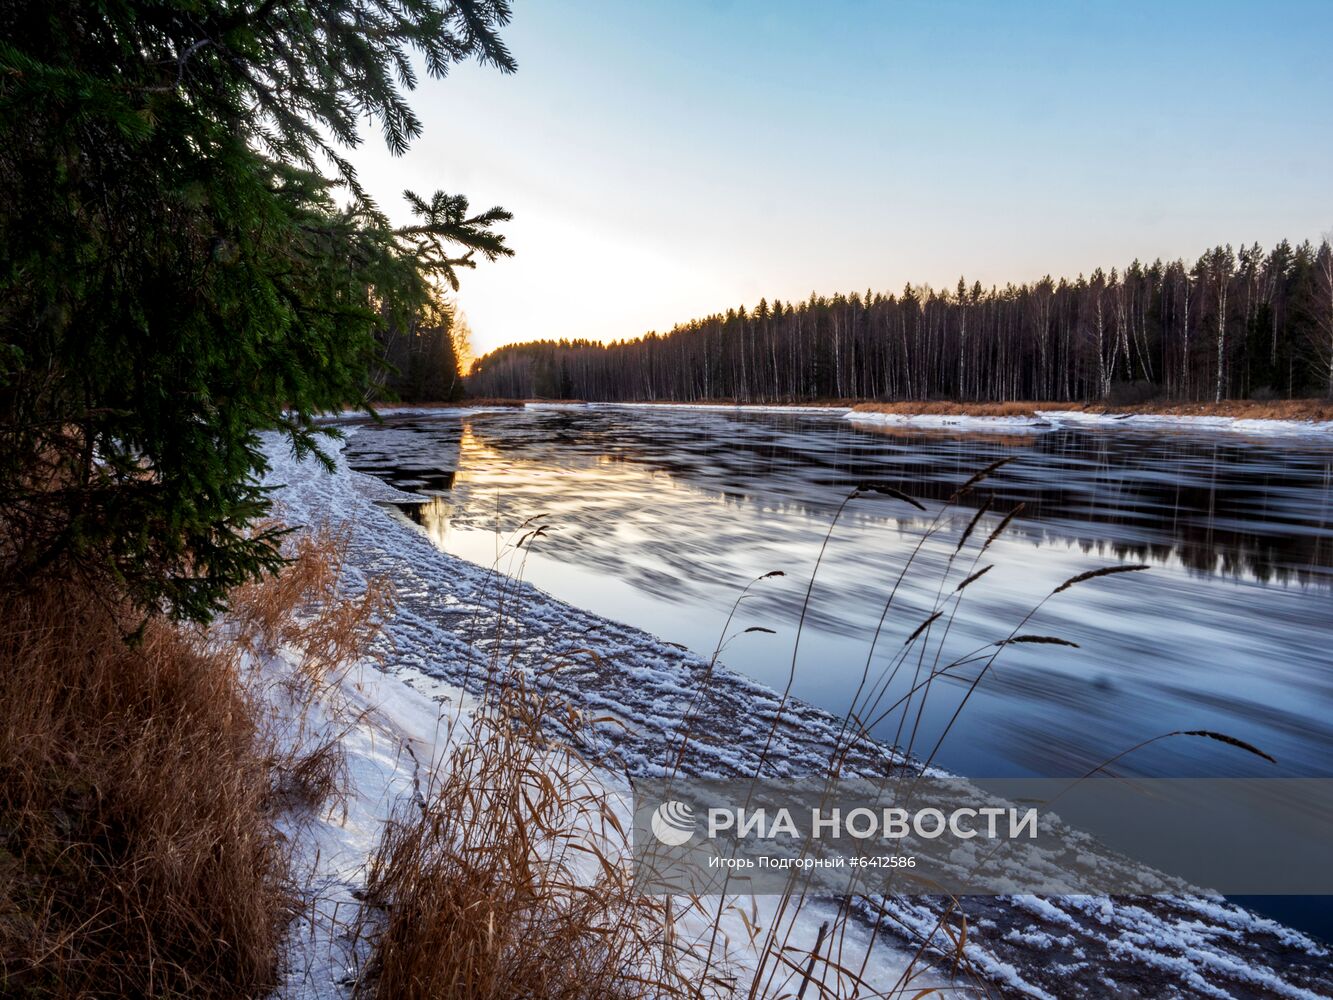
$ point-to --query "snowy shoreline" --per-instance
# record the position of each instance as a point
(945, 421)
(1053, 420)
(1184, 421)
(1067, 947)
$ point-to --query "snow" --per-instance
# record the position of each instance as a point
(1050, 420)
(828, 411)
(388, 732)
(391, 733)
(1174, 421)
(447, 626)
(1043, 421)
(955, 422)
(398, 721)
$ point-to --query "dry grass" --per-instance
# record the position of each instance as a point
(301, 609)
(511, 877)
(302, 613)
(137, 853)
(508, 880)
(140, 783)
(831, 403)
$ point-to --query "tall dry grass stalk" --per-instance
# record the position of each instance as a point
(141, 782)
(510, 876)
(302, 609)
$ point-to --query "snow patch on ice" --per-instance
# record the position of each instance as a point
(828, 411)
(950, 421)
(1188, 422)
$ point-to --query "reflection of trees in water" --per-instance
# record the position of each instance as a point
(1229, 507)
(434, 515)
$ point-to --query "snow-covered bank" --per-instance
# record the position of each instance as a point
(399, 722)
(830, 411)
(1040, 422)
(1050, 420)
(953, 422)
(1190, 422)
(389, 732)
(395, 731)
(446, 625)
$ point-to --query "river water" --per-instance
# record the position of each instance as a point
(660, 517)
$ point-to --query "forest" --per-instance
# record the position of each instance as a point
(1244, 324)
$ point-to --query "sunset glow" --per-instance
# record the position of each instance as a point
(705, 154)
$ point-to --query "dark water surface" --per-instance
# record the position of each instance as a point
(659, 518)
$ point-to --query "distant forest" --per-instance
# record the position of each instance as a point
(1245, 324)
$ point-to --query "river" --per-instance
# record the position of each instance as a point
(659, 517)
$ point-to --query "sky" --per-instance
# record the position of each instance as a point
(668, 159)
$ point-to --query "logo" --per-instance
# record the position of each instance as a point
(673, 823)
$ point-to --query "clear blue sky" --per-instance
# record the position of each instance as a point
(665, 160)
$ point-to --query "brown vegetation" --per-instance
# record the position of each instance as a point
(1318, 410)
(137, 851)
(140, 785)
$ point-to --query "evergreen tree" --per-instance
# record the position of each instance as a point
(178, 272)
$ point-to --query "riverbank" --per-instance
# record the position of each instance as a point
(1306, 410)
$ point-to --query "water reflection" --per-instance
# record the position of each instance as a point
(662, 516)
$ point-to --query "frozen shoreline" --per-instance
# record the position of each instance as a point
(945, 421)
(1183, 421)
(1184, 946)
(1053, 420)
(409, 711)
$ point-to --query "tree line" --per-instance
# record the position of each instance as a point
(1233, 324)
